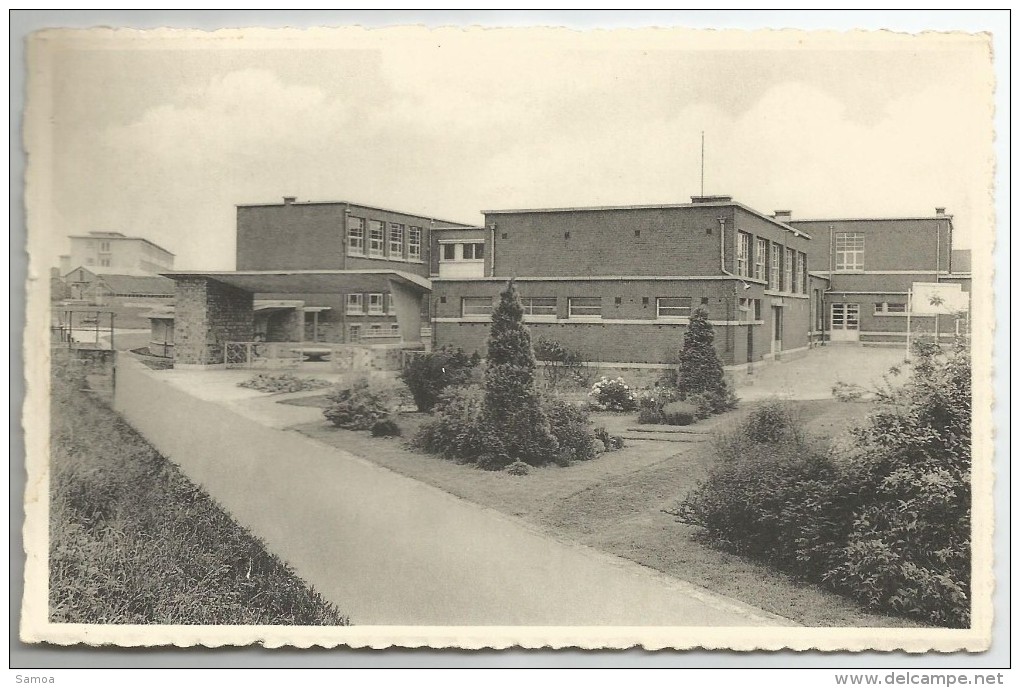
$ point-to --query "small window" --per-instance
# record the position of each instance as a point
(375, 304)
(104, 262)
(673, 307)
(637, 232)
(617, 301)
(475, 306)
(704, 300)
(644, 300)
(449, 251)
(355, 304)
(566, 235)
(539, 305)
(584, 307)
(374, 330)
(356, 235)
(886, 307)
(474, 251)
(504, 235)
(395, 329)
(104, 246)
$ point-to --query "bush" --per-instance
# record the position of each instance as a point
(563, 366)
(772, 421)
(679, 413)
(283, 382)
(518, 468)
(613, 395)
(386, 427)
(650, 416)
(571, 427)
(359, 406)
(609, 442)
(426, 376)
(847, 392)
(456, 430)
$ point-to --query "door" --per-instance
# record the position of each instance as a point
(846, 322)
(353, 334)
(777, 329)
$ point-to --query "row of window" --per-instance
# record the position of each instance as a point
(782, 268)
(455, 251)
(886, 307)
(356, 332)
(372, 238)
(378, 304)
(578, 307)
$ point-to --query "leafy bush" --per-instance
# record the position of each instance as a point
(563, 366)
(426, 376)
(613, 395)
(609, 442)
(359, 406)
(679, 413)
(456, 430)
(282, 382)
(885, 519)
(649, 416)
(571, 427)
(700, 370)
(387, 427)
(518, 468)
(847, 392)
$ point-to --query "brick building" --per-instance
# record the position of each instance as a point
(336, 235)
(619, 283)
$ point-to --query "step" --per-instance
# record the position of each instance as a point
(664, 437)
(668, 429)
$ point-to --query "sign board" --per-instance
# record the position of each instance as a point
(931, 298)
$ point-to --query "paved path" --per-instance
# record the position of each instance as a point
(391, 550)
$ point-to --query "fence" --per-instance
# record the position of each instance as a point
(271, 355)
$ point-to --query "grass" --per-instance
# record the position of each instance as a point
(133, 541)
(616, 502)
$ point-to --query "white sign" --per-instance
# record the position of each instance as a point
(931, 298)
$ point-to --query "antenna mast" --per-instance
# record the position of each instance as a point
(702, 163)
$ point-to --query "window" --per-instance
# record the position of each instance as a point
(761, 248)
(673, 307)
(788, 284)
(356, 235)
(375, 330)
(396, 240)
(886, 308)
(474, 251)
(104, 246)
(584, 307)
(395, 330)
(799, 284)
(375, 304)
(476, 306)
(775, 270)
(449, 251)
(354, 333)
(849, 251)
(743, 253)
(390, 307)
(376, 237)
(539, 305)
(104, 262)
(355, 304)
(414, 243)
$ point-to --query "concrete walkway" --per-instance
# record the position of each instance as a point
(391, 550)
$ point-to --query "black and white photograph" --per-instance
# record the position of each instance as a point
(509, 337)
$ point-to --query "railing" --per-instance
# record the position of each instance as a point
(272, 355)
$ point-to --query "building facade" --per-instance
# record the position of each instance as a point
(336, 235)
(619, 284)
(115, 253)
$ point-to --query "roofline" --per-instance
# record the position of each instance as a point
(347, 203)
(873, 219)
(116, 238)
(213, 274)
(654, 206)
(443, 229)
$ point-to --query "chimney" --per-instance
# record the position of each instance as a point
(289, 200)
(783, 216)
(940, 211)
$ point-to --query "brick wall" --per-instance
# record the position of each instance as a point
(207, 315)
(894, 244)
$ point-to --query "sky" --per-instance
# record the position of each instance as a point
(161, 135)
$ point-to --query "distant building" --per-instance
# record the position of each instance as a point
(114, 252)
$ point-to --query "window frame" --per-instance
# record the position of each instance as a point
(660, 315)
(528, 303)
(583, 316)
(789, 259)
(355, 239)
(761, 248)
(743, 254)
(849, 258)
(374, 298)
(465, 300)
(474, 251)
(776, 267)
(800, 273)
(396, 233)
(373, 250)
(414, 238)
(350, 301)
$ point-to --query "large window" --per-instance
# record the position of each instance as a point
(414, 243)
(800, 285)
(776, 268)
(849, 251)
(376, 237)
(539, 305)
(761, 249)
(673, 307)
(375, 304)
(356, 235)
(396, 240)
(743, 254)
(476, 306)
(355, 304)
(584, 307)
(791, 257)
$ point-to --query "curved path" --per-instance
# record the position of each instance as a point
(390, 550)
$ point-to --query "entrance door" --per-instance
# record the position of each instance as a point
(846, 322)
(777, 329)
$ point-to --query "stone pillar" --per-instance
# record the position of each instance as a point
(208, 314)
(407, 304)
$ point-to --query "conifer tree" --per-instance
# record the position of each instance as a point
(512, 410)
(700, 370)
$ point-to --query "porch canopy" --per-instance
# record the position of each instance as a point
(213, 308)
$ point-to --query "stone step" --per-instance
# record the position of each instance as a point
(668, 429)
(664, 437)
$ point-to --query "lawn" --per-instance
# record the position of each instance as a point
(616, 502)
(132, 540)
